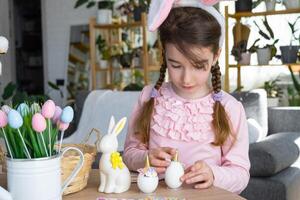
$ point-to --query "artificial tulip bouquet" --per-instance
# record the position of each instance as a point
(31, 131)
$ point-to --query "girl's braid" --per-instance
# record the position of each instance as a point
(216, 78)
(162, 74)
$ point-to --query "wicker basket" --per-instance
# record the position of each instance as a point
(70, 160)
(2, 161)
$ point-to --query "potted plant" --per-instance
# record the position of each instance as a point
(137, 83)
(139, 6)
(103, 52)
(241, 54)
(270, 4)
(104, 13)
(274, 92)
(294, 92)
(291, 4)
(289, 53)
(243, 5)
(267, 51)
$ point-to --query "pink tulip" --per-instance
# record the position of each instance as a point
(3, 119)
(38, 122)
(62, 126)
(57, 114)
(48, 109)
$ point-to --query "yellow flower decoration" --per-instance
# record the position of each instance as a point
(116, 160)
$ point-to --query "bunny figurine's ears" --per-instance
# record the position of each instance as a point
(118, 128)
(160, 9)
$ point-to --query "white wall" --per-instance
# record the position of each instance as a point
(8, 62)
(57, 18)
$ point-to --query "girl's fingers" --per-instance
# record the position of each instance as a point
(204, 185)
(169, 150)
(189, 175)
(160, 170)
(163, 155)
(201, 177)
(159, 163)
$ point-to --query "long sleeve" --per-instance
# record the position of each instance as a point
(134, 150)
(233, 174)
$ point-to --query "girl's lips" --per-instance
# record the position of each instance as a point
(188, 87)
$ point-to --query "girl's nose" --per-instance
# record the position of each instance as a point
(186, 76)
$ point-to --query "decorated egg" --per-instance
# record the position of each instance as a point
(14, 119)
(48, 109)
(38, 123)
(173, 174)
(67, 114)
(147, 180)
(23, 109)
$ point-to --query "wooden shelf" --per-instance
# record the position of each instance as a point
(271, 65)
(238, 16)
(116, 26)
(108, 31)
(277, 12)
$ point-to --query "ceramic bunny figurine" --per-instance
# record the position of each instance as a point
(114, 175)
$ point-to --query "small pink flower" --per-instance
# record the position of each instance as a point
(3, 119)
(48, 109)
(62, 126)
(38, 122)
(57, 114)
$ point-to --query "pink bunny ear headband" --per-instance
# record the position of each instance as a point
(160, 9)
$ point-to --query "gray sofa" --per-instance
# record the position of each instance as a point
(274, 135)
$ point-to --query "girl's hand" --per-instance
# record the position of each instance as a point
(199, 173)
(160, 158)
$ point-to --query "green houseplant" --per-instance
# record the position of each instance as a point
(274, 92)
(289, 53)
(265, 51)
(242, 54)
(104, 54)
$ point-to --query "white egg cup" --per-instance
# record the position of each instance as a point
(147, 184)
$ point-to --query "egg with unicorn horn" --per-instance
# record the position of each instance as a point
(3, 45)
(173, 173)
(147, 180)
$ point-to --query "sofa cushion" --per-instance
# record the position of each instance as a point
(274, 153)
(255, 105)
(255, 130)
(281, 186)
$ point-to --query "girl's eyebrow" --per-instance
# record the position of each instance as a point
(172, 60)
(198, 62)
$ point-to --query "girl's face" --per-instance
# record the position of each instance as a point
(190, 81)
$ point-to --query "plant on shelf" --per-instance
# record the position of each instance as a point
(106, 4)
(265, 52)
(289, 53)
(103, 51)
(105, 7)
(274, 92)
(139, 6)
(137, 82)
(241, 53)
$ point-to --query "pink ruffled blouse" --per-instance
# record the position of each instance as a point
(187, 126)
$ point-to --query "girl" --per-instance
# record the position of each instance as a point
(204, 124)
